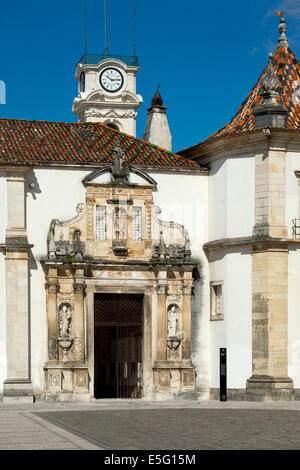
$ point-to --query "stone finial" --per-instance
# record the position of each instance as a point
(282, 41)
(270, 84)
(162, 249)
(187, 247)
(270, 113)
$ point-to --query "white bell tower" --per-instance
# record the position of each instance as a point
(107, 91)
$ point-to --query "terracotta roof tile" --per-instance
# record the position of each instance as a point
(287, 68)
(47, 142)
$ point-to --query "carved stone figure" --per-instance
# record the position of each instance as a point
(120, 224)
(119, 171)
(119, 155)
(64, 320)
(172, 321)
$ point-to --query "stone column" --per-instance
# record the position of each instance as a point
(161, 316)
(18, 385)
(52, 288)
(269, 379)
(79, 292)
(186, 316)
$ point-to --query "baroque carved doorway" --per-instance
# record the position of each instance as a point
(118, 330)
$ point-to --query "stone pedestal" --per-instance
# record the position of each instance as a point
(174, 381)
(16, 391)
(66, 382)
(265, 388)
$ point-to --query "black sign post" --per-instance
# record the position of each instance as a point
(223, 375)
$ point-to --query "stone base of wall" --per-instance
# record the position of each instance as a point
(233, 394)
(241, 394)
(181, 395)
(18, 391)
(66, 397)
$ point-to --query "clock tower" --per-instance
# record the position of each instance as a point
(107, 91)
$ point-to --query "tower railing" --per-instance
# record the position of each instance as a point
(129, 60)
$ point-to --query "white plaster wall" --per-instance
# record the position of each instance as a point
(56, 195)
(292, 190)
(3, 205)
(2, 322)
(183, 198)
(294, 314)
(235, 331)
(231, 198)
(292, 212)
(3, 224)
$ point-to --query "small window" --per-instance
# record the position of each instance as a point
(216, 305)
(101, 223)
(112, 126)
(136, 223)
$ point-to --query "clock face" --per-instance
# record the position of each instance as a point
(82, 82)
(111, 80)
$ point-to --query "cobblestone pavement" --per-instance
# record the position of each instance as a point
(138, 424)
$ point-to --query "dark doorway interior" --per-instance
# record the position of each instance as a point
(118, 325)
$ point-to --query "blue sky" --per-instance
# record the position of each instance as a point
(206, 56)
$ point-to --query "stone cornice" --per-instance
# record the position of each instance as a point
(248, 241)
(80, 166)
(126, 265)
(268, 138)
(15, 246)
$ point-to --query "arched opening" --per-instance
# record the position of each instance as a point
(112, 126)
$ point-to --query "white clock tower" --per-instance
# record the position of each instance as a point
(107, 91)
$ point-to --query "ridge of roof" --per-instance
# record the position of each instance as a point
(40, 141)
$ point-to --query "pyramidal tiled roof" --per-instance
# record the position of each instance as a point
(287, 69)
(47, 142)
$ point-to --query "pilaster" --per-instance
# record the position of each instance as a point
(52, 288)
(79, 293)
(17, 386)
(269, 380)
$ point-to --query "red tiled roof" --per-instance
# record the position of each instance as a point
(287, 68)
(47, 142)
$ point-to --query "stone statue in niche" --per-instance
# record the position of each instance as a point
(172, 321)
(64, 320)
(120, 224)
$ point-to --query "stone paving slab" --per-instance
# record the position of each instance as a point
(22, 430)
(183, 429)
(150, 425)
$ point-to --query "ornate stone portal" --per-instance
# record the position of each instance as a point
(154, 260)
